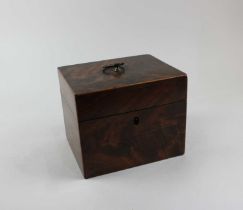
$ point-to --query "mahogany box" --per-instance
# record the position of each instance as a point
(123, 112)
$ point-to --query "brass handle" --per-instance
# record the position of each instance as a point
(114, 69)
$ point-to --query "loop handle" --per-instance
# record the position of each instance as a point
(114, 69)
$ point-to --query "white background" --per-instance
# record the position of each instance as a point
(202, 38)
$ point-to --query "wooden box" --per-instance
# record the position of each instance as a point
(123, 112)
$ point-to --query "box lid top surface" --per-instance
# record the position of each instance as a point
(90, 77)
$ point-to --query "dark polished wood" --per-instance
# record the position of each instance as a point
(117, 142)
(131, 98)
(88, 78)
(129, 115)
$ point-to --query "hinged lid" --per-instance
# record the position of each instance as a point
(121, 85)
(90, 77)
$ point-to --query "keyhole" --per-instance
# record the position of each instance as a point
(136, 120)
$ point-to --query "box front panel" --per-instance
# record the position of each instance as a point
(135, 138)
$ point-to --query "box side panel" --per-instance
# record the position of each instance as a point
(67, 93)
(132, 139)
(71, 121)
(122, 100)
(72, 133)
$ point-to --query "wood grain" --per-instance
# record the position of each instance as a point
(88, 78)
(114, 122)
(115, 143)
(132, 98)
